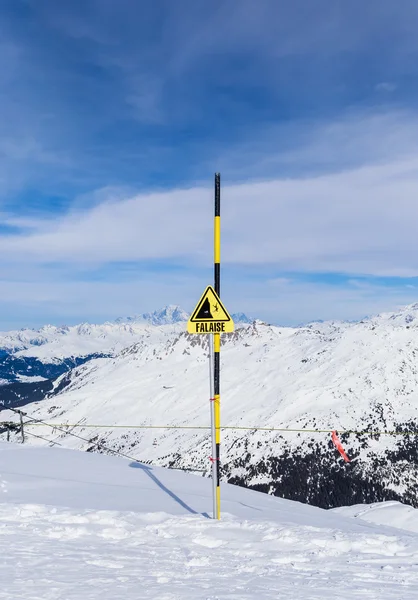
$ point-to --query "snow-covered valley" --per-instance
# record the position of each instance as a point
(150, 399)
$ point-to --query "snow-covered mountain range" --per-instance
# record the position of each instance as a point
(326, 376)
(31, 359)
(51, 344)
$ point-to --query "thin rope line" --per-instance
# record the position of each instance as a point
(99, 445)
(60, 426)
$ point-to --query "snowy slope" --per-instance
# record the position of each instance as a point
(76, 525)
(344, 376)
(394, 514)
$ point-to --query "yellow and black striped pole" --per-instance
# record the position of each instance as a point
(217, 342)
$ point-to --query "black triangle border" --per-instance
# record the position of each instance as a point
(202, 299)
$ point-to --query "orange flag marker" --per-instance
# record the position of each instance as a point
(337, 443)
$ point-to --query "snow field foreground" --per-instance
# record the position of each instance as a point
(76, 525)
(394, 514)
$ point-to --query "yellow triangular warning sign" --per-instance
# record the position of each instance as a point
(210, 315)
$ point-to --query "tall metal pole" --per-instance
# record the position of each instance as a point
(217, 342)
(212, 428)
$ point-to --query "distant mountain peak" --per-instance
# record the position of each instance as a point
(166, 316)
(241, 318)
(171, 314)
(404, 316)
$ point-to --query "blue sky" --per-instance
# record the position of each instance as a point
(115, 115)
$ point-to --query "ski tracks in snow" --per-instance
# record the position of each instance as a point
(53, 553)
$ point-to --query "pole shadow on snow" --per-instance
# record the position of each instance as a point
(148, 471)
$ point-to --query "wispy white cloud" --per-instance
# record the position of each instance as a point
(81, 86)
(294, 302)
(304, 147)
(357, 221)
(286, 301)
(360, 221)
(123, 98)
(35, 298)
(386, 86)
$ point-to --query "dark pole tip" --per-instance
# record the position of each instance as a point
(217, 194)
